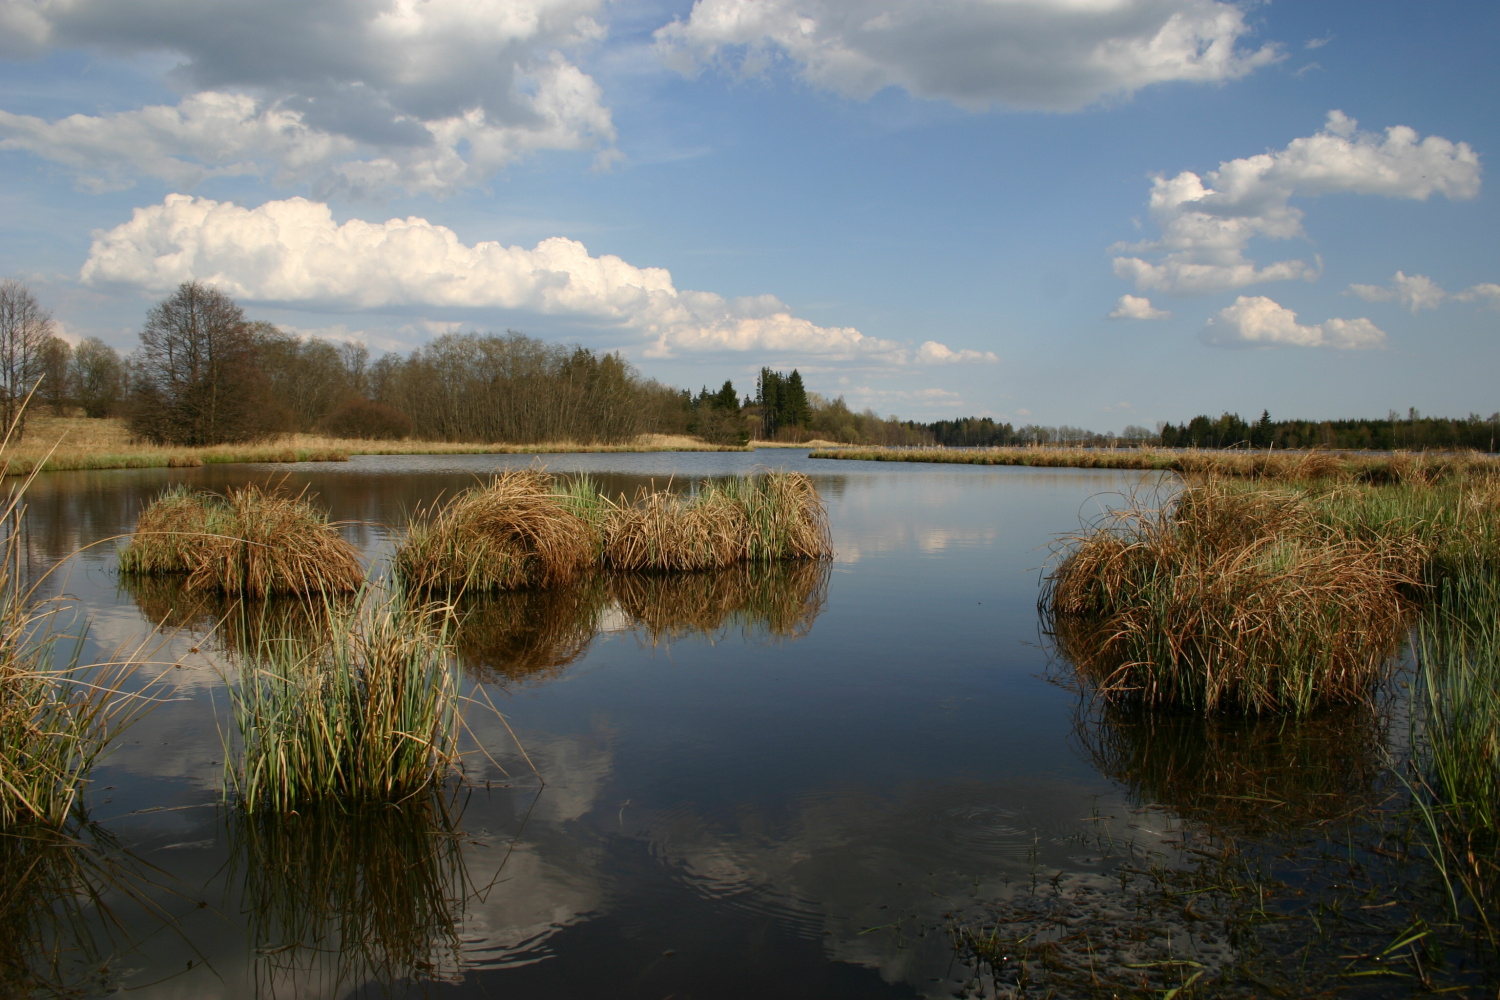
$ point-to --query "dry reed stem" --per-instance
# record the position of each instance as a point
(249, 542)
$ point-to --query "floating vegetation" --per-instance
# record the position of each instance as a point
(368, 714)
(247, 541)
(523, 529)
(518, 530)
(382, 889)
(1233, 598)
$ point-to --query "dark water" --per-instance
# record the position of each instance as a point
(788, 787)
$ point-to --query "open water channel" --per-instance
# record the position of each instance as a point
(799, 784)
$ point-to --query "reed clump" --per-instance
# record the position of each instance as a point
(517, 530)
(763, 518)
(248, 541)
(525, 529)
(1251, 599)
(368, 714)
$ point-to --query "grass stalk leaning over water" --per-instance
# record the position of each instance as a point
(247, 541)
(371, 714)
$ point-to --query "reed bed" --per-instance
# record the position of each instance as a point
(516, 531)
(247, 541)
(1371, 467)
(1234, 598)
(369, 715)
(763, 518)
(382, 889)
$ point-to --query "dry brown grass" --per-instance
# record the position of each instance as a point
(762, 518)
(1232, 598)
(60, 444)
(1368, 467)
(248, 541)
(518, 530)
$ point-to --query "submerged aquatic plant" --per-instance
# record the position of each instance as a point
(248, 541)
(369, 713)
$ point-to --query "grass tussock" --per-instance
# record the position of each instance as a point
(764, 518)
(516, 531)
(248, 541)
(369, 715)
(1252, 599)
(525, 529)
(1367, 467)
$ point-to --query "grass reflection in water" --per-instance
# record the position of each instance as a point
(339, 898)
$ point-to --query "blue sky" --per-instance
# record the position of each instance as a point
(1092, 212)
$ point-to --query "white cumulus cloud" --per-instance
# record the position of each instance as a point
(421, 95)
(1417, 291)
(1207, 222)
(1053, 55)
(1256, 321)
(1137, 307)
(294, 252)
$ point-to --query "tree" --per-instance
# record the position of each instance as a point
(56, 386)
(25, 329)
(197, 378)
(98, 378)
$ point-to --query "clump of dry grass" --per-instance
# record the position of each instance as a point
(249, 541)
(763, 518)
(1232, 599)
(518, 530)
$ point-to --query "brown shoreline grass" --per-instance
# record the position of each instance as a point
(1371, 467)
(70, 444)
(246, 541)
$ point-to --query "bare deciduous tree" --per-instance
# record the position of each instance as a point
(25, 329)
(98, 378)
(197, 379)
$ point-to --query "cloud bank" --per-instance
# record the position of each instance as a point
(1048, 55)
(1207, 222)
(1256, 321)
(294, 252)
(354, 95)
(1417, 292)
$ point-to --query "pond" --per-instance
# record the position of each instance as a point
(824, 781)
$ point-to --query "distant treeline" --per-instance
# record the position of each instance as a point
(1413, 432)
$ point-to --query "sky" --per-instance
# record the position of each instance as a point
(1088, 212)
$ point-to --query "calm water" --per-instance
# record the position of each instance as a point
(787, 787)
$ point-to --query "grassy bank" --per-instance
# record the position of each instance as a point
(1354, 466)
(63, 444)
